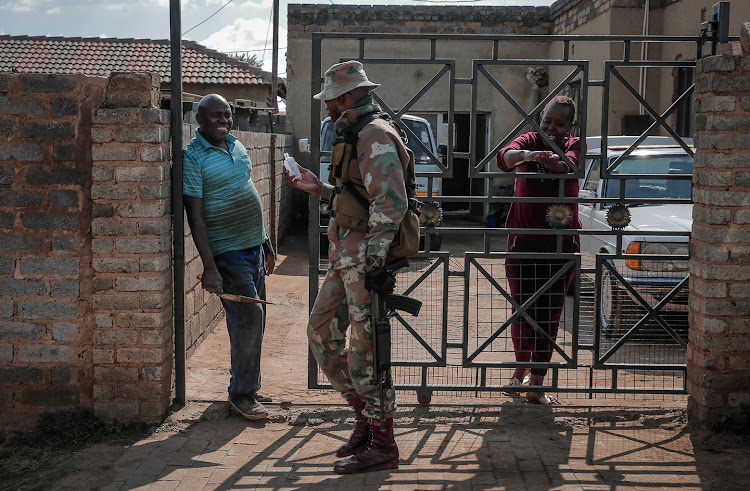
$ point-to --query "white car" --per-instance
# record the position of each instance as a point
(653, 278)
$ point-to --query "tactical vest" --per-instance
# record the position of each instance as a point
(352, 208)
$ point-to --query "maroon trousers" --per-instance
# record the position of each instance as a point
(525, 278)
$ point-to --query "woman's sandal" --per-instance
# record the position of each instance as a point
(544, 400)
(513, 381)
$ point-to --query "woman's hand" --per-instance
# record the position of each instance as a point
(544, 157)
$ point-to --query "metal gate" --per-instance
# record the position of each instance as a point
(620, 332)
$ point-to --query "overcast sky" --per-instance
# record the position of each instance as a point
(239, 25)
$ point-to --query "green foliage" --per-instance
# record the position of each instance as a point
(733, 421)
(251, 59)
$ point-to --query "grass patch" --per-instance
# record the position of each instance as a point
(32, 460)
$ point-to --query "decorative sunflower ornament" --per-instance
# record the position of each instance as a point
(618, 216)
(430, 215)
(559, 216)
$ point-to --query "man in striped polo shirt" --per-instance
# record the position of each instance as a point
(226, 218)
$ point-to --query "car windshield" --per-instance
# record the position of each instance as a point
(681, 165)
(327, 136)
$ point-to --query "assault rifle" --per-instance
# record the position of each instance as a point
(383, 308)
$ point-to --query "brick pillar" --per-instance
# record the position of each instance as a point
(131, 245)
(719, 350)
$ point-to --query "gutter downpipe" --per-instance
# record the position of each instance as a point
(178, 223)
(644, 57)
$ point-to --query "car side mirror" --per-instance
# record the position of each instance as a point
(304, 145)
(443, 150)
(585, 193)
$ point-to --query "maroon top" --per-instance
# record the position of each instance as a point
(532, 215)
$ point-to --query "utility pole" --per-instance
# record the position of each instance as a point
(275, 61)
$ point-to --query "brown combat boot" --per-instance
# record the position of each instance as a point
(361, 433)
(380, 453)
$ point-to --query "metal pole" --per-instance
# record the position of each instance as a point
(275, 61)
(178, 223)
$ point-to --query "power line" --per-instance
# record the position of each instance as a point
(204, 20)
(270, 19)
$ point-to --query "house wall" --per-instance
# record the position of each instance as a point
(85, 246)
(718, 374)
(401, 82)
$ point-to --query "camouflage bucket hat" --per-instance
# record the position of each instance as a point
(343, 77)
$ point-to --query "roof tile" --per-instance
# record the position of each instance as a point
(99, 56)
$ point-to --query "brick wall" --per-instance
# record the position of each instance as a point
(567, 15)
(719, 349)
(266, 150)
(85, 246)
(132, 246)
(46, 318)
(305, 19)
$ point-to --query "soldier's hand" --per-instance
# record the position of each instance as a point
(380, 280)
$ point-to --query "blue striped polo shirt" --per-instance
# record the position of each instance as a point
(232, 208)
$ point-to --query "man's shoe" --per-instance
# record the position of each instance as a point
(360, 435)
(248, 408)
(263, 398)
(380, 453)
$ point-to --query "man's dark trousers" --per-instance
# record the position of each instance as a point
(243, 273)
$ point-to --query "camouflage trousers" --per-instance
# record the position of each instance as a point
(344, 303)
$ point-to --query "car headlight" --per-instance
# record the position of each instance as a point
(657, 265)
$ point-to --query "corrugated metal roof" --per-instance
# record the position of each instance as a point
(100, 56)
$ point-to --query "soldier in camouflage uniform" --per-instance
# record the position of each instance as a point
(357, 260)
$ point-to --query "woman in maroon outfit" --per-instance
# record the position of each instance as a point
(529, 153)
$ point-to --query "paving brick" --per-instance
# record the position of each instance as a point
(114, 228)
(6, 174)
(49, 266)
(139, 135)
(50, 221)
(151, 192)
(141, 283)
(62, 375)
(115, 302)
(102, 174)
(20, 375)
(64, 198)
(101, 284)
(10, 242)
(142, 246)
(154, 264)
(116, 338)
(154, 154)
(113, 153)
(64, 331)
(46, 130)
(64, 288)
(143, 210)
(45, 353)
(64, 106)
(56, 175)
(155, 116)
(64, 152)
(7, 265)
(57, 309)
(115, 374)
(22, 288)
(115, 265)
(104, 356)
(142, 319)
(28, 331)
(140, 355)
(22, 105)
(6, 309)
(102, 210)
(65, 243)
(6, 354)
(7, 219)
(102, 246)
(113, 192)
(161, 226)
(47, 83)
(27, 152)
(11, 197)
(139, 174)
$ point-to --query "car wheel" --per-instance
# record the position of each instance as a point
(610, 306)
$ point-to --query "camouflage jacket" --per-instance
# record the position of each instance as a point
(382, 157)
